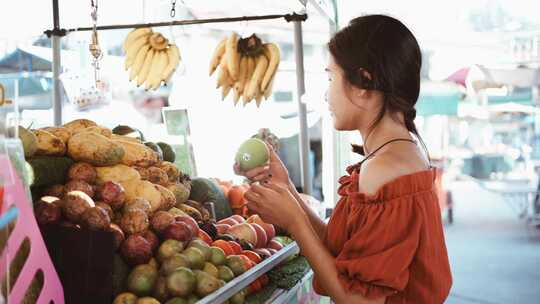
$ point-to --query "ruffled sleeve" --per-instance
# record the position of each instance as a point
(383, 239)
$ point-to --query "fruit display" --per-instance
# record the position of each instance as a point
(246, 66)
(150, 58)
(170, 247)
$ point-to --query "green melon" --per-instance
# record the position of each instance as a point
(168, 152)
(206, 190)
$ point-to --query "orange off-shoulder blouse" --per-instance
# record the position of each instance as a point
(392, 243)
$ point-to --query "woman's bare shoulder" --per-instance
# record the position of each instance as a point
(386, 167)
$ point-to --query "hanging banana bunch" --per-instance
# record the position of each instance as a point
(246, 66)
(150, 58)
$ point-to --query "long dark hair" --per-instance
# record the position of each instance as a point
(386, 49)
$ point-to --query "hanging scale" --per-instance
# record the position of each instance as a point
(95, 49)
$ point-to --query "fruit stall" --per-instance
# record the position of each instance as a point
(115, 218)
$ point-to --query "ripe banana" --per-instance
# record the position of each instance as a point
(268, 91)
(249, 72)
(145, 70)
(223, 74)
(242, 76)
(138, 62)
(134, 34)
(271, 51)
(158, 63)
(173, 56)
(258, 74)
(233, 56)
(216, 57)
(133, 48)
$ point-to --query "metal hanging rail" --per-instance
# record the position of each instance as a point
(287, 17)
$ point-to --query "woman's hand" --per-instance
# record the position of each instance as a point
(275, 204)
(273, 171)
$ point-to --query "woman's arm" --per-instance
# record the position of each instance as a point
(276, 204)
(323, 264)
(316, 222)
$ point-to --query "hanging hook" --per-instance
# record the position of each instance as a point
(245, 25)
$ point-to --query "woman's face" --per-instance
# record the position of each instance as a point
(351, 108)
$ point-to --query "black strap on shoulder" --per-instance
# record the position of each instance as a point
(383, 145)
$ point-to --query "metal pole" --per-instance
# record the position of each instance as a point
(56, 66)
(302, 112)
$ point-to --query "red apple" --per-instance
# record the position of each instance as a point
(238, 218)
(229, 221)
(179, 231)
(268, 228)
(275, 245)
(244, 232)
(188, 220)
(222, 228)
(261, 235)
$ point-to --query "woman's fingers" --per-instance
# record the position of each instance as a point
(253, 206)
(258, 171)
(253, 196)
(276, 187)
(260, 178)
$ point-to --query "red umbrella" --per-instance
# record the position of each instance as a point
(459, 76)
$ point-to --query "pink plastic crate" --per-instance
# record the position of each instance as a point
(26, 227)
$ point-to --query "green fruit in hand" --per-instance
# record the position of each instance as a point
(125, 298)
(181, 282)
(147, 300)
(168, 249)
(225, 273)
(177, 301)
(172, 263)
(211, 270)
(203, 247)
(252, 153)
(195, 257)
(142, 279)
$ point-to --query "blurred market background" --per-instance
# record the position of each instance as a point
(478, 108)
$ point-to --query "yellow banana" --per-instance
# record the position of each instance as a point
(134, 48)
(216, 57)
(173, 56)
(249, 74)
(268, 91)
(145, 70)
(271, 51)
(233, 56)
(223, 73)
(236, 97)
(138, 62)
(258, 74)
(242, 76)
(134, 34)
(158, 63)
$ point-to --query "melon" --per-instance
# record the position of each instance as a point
(206, 190)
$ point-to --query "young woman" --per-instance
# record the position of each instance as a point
(384, 242)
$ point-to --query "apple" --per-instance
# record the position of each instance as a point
(179, 231)
(261, 235)
(244, 232)
(229, 221)
(222, 228)
(238, 218)
(268, 228)
(273, 244)
(188, 220)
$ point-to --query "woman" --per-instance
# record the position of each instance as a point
(384, 242)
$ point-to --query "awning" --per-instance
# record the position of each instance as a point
(438, 98)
